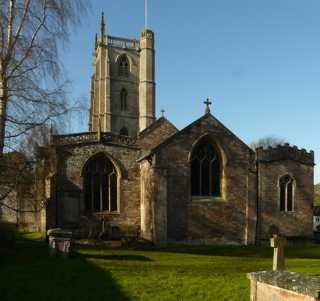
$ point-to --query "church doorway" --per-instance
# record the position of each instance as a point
(100, 185)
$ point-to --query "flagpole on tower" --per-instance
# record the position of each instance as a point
(145, 14)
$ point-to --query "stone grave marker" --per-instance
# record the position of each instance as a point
(60, 242)
(278, 243)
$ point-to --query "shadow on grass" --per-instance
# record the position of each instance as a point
(32, 275)
(292, 251)
(115, 257)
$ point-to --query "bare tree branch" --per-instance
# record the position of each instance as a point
(268, 141)
(33, 89)
(31, 81)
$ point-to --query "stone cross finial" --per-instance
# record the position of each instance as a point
(207, 103)
(277, 243)
(162, 112)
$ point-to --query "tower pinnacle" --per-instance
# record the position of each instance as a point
(102, 26)
(96, 41)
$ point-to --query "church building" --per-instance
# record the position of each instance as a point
(133, 175)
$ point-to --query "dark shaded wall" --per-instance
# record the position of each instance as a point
(69, 195)
(213, 219)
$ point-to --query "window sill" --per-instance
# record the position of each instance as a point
(204, 199)
(287, 212)
(106, 213)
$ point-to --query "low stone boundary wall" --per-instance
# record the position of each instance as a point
(283, 286)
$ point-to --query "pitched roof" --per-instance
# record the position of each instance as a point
(155, 125)
(205, 116)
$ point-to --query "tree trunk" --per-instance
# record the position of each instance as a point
(3, 79)
(3, 111)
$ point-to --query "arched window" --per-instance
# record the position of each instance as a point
(123, 99)
(205, 170)
(123, 66)
(124, 131)
(100, 185)
(286, 184)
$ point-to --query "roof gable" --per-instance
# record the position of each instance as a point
(207, 116)
(160, 121)
(156, 133)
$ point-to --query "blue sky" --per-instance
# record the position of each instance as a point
(258, 60)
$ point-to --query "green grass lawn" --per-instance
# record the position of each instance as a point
(170, 273)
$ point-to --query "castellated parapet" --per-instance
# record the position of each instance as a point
(285, 152)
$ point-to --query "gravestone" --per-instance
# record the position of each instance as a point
(278, 243)
(60, 242)
(279, 285)
(283, 286)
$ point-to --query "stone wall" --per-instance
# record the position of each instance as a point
(146, 197)
(153, 202)
(6, 214)
(20, 205)
(107, 83)
(130, 117)
(213, 219)
(69, 196)
(271, 166)
(21, 209)
(155, 185)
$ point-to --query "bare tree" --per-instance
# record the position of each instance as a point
(14, 170)
(32, 87)
(37, 136)
(267, 141)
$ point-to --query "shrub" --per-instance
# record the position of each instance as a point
(7, 235)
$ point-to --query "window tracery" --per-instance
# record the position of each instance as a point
(123, 66)
(205, 171)
(123, 99)
(286, 184)
(100, 185)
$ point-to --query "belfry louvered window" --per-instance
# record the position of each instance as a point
(123, 66)
(100, 185)
(205, 170)
(123, 99)
(124, 131)
(286, 184)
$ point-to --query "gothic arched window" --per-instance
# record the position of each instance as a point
(124, 131)
(205, 170)
(123, 99)
(123, 66)
(286, 184)
(100, 185)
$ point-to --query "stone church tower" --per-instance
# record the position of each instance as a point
(123, 83)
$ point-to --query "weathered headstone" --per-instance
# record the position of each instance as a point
(278, 243)
(60, 242)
